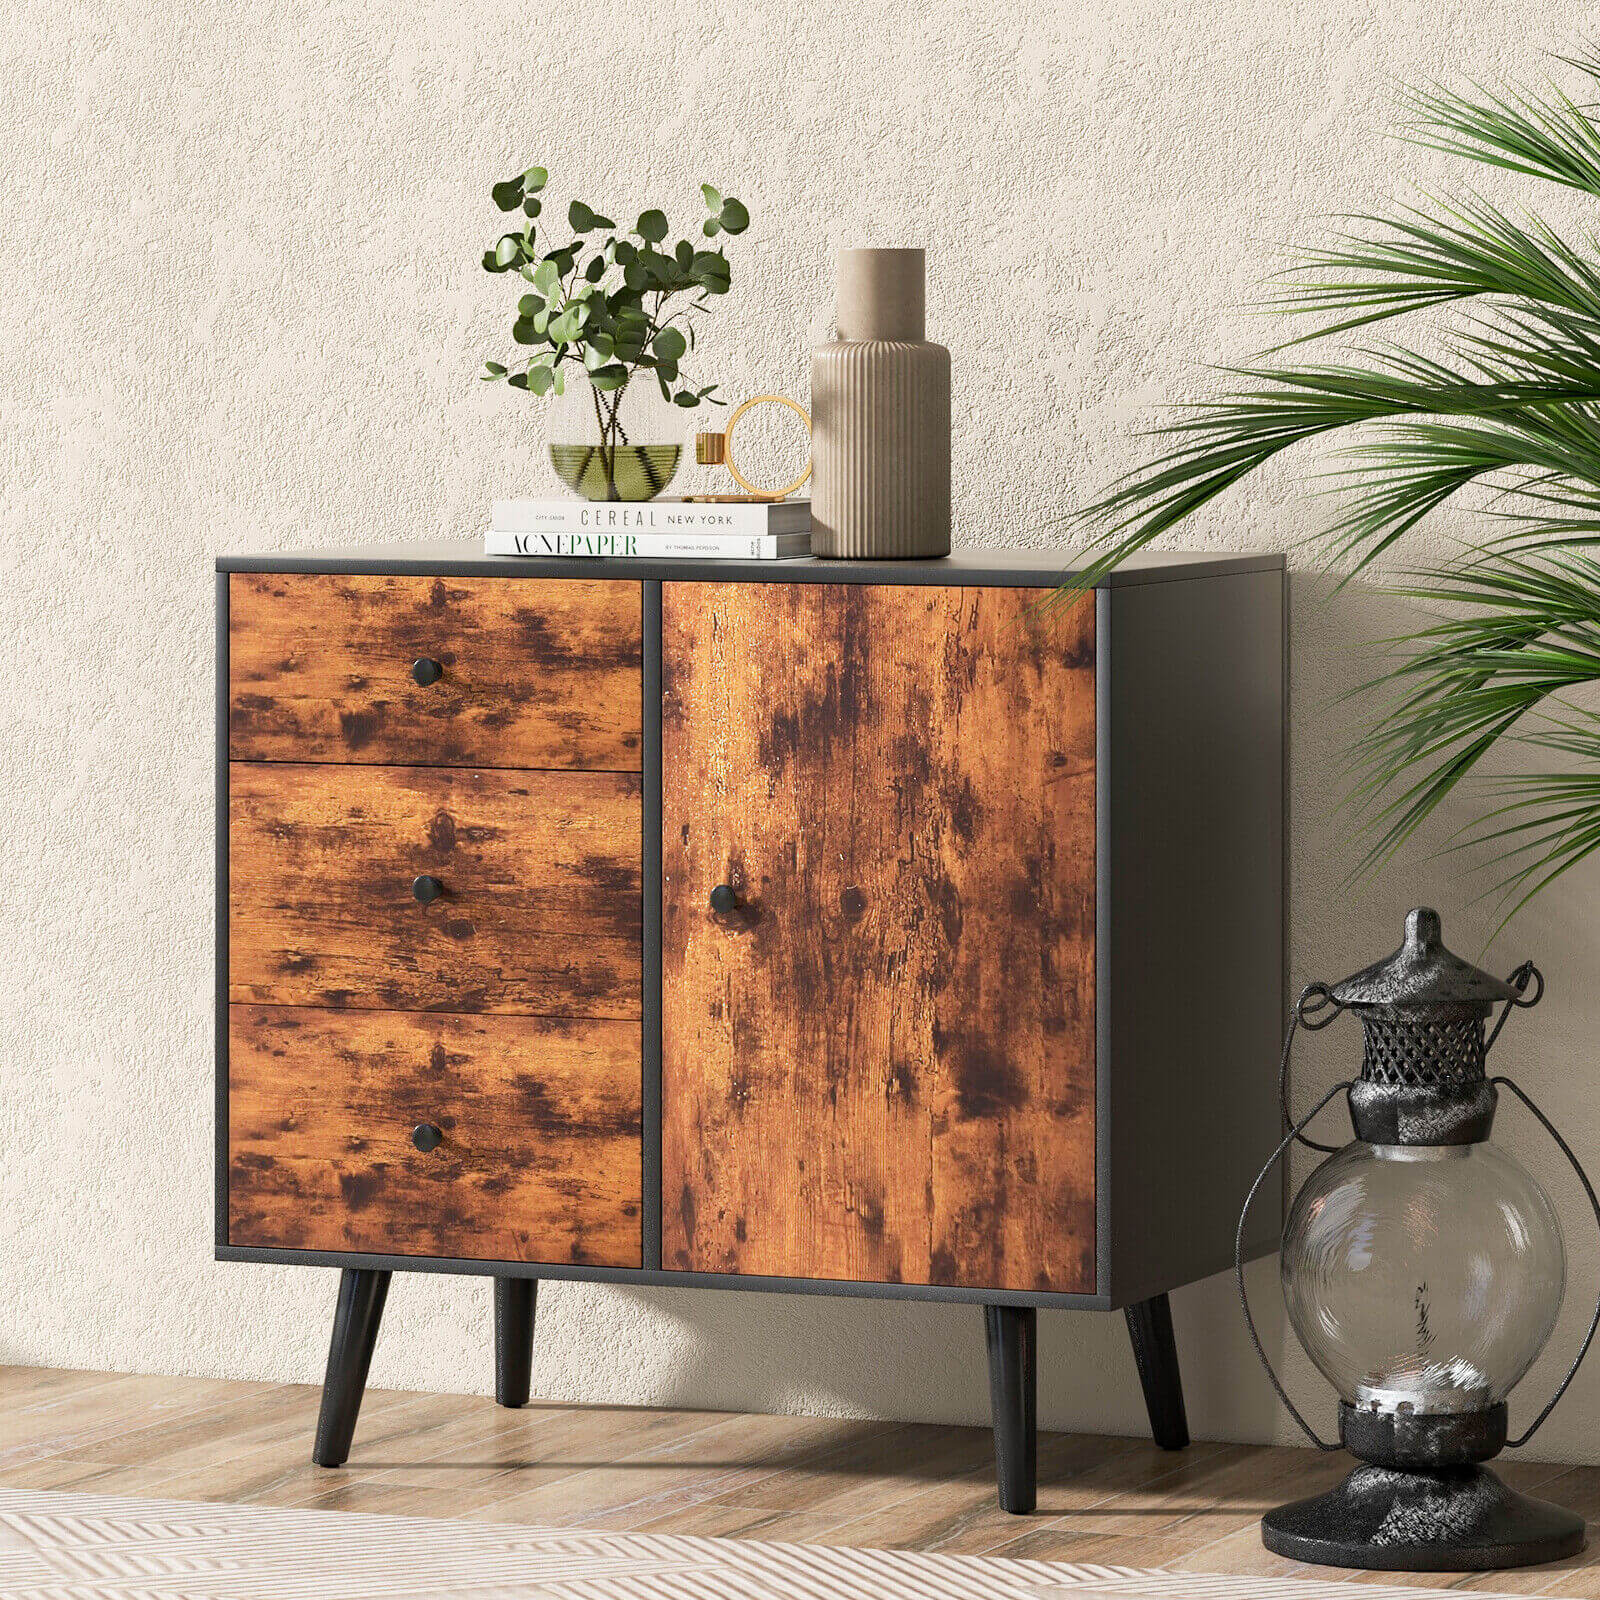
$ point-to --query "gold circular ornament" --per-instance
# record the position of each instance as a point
(716, 449)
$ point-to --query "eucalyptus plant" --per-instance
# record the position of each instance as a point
(606, 305)
(1495, 391)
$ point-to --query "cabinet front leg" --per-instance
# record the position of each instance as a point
(514, 1302)
(1155, 1353)
(355, 1332)
(1014, 1403)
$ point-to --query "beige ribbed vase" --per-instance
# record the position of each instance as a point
(880, 417)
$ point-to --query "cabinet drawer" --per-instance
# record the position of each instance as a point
(532, 672)
(538, 910)
(540, 1155)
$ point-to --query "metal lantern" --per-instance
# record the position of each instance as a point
(1423, 1269)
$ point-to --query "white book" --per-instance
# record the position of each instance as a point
(747, 518)
(686, 546)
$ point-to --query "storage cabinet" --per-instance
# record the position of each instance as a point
(813, 926)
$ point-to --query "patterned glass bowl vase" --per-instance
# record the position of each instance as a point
(618, 444)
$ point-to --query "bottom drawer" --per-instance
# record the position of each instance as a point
(540, 1158)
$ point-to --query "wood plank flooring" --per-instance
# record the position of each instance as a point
(816, 1479)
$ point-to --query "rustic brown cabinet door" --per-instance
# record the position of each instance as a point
(879, 1064)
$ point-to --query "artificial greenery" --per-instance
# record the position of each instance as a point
(1506, 402)
(610, 305)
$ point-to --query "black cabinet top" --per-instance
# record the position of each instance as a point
(1029, 568)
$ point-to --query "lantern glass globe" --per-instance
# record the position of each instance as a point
(1423, 1279)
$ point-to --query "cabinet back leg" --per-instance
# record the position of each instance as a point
(1155, 1353)
(355, 1333)
(1014, 1402)
(515, 1300)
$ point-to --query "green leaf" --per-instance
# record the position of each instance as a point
(507, 250)
(686, 398)
(733, 217)
(713, 199)
(596, 269)
(491, 261)
(583, 220)
(534, 179)
(507, 195)
(670, 343)
(518, 380)
(564, 328)
(541, 380)
(561, 381)
(529, 304)
(684, 254)
(652, 226)
(546, 278)
(711, 227)
(531, 207)
(609, 377)
(492, 371)
(667, 367)
(524, 332)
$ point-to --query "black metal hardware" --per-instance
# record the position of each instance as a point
(723, 899)
(355, 1334)
(426, 889)
(515, 1301)
(1238, 1265)
(1453, 1519)
(1594, 1204)
(427, 1136)
(426, 670)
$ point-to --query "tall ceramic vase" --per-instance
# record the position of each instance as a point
(880, 416)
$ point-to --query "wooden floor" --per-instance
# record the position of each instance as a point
(1111, 1500)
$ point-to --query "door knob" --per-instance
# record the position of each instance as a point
(426, 670)
(427, 1136)
(426, 889)
(723, 899)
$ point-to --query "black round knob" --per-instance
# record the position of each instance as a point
(426, 670)
(426, 889)
(723, 899)
(425, 1136)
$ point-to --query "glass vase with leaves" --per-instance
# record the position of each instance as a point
(1496, 388)
(608, 321)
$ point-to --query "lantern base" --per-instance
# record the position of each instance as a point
(1454, 1519)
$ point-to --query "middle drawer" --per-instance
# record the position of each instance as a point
(535, 881)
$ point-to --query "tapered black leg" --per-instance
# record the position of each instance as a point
(1155, 1353)
(355, 1332)
(1014, 1402)
(514, 1302)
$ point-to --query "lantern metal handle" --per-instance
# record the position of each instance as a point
(1312, 1019)
(1588, 1188)
(1238, 1258)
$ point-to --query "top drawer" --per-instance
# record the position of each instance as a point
(531, 672)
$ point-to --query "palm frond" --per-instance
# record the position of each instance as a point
(1504, 408)
(1530, 633)
(1549, 137)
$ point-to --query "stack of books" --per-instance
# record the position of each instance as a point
(751, 530)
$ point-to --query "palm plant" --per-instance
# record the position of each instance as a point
(1504, 410)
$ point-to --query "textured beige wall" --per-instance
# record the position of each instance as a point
(240, 308)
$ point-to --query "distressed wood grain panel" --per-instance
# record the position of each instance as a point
(881, 1064)
(537, 672)
(540, 911)
(541, 1120)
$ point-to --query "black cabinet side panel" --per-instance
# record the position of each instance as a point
(1194, 886)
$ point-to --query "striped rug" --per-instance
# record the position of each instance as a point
(91, 1547)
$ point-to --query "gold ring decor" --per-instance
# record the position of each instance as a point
(725, 454)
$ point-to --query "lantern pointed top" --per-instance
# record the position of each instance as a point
(1422, 972)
